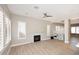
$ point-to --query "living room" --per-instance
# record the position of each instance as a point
(39, 29)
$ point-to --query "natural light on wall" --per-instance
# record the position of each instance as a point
(21, 30)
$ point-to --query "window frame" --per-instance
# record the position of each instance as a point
(8, 27)
(75, 30)
(2, 31)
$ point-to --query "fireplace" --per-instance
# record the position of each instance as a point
(37, 38)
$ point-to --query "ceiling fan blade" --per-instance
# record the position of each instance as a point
(46, 15)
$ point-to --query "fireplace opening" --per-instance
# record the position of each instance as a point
(36, 38)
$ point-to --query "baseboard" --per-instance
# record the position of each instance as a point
(44, 39)
(25, 43)
(20, 44)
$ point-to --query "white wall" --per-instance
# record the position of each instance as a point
(52, 29)
(33, 27)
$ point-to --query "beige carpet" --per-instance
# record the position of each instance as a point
(48, 47)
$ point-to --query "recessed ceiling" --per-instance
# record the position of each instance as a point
(58, 11)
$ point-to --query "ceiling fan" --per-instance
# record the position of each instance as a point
(46, 15)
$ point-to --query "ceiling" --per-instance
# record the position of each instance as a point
(58, 11)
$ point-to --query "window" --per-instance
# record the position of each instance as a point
(72, 29)
(21, 30)
(7, 30)
(1, 29)
(59, 29)
(48, 30)
(75, 29)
